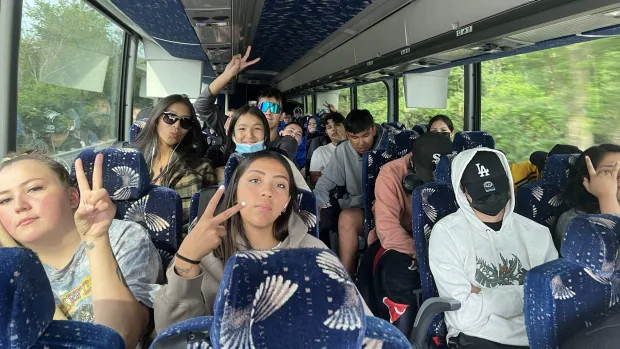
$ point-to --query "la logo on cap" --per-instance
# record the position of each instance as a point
(482, 171)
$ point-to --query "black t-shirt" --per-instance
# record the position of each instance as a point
(495, 226)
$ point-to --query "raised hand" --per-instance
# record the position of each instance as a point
(602, 184)
(207, 234)
(96, 211)
(238, 63)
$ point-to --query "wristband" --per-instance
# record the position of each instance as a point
(184, 259)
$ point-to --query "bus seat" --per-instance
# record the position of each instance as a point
(430, 203)
(231, 165)
(543, 201)
(372, 163)
(135, 129)
(569, 294)
(420, 128)
(400, 142)
(465, 140)
(27, 311)
(295, 298)
(284, 299)
(126, 177)
(393, 125)
(443, 171)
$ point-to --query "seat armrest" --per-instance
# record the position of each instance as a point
(429, 309)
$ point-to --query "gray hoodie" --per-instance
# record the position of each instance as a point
(184, 299)
(345, 170)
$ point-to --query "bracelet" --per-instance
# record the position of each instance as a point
(185, 259)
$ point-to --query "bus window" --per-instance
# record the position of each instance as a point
(563, 95)
(344, 101)
(69, 77)
(309, 106)
(139, 86)
(374, 97)
(456, 103)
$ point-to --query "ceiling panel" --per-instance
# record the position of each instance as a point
(288, 29)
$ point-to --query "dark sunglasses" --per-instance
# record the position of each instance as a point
(171, 118)
(269, 106)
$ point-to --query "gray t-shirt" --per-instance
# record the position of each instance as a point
(565, 218)
(137, 258)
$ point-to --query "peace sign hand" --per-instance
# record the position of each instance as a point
(96, 211)
(238, 63)
(601, 184)
(207, 234)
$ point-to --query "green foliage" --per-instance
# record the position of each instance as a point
(532, 101)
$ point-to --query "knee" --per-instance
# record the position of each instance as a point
(350, 219)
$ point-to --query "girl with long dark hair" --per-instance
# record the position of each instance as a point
(172, 144)
(260, 213)
(593, 185)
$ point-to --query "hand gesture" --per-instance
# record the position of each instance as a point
(238, 63)
(603, 183)
(96, 211)
(475, 289)
(207, 234)
(330, 107)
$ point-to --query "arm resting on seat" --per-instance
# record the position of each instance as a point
(429, 309)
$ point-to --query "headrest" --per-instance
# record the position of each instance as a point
(594, 242)
(557, 168)
(137, 126)
(420, 128)
(443, 171)
(126, 175)
(465, 140)
(293, 298)
(26, 298)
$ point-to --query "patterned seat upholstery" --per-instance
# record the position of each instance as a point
(400, 142)
(420, 128)
(126, 177)
(231, 165)
(28, 308)
(543, 201)
(135, 129)
(571, 293)
(430, 203)
(464, 140)
(372, 163)
(393, 125)
(443, 172)
(299, 298)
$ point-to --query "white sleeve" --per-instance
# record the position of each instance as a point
(447, 267)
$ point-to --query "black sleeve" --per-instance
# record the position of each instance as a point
(209, 112)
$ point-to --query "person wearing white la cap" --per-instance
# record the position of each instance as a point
(480, 254)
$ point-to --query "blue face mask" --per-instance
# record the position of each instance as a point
(250, 148)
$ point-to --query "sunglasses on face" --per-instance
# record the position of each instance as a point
(171, 118)
(273, 108)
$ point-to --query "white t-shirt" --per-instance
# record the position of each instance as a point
(322, 156)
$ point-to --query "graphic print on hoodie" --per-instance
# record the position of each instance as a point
(465, 252)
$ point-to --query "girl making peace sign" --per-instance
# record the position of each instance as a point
(260, 212)
(101, 270)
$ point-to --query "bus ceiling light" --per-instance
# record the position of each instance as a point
(614, 14)
(350, 31)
